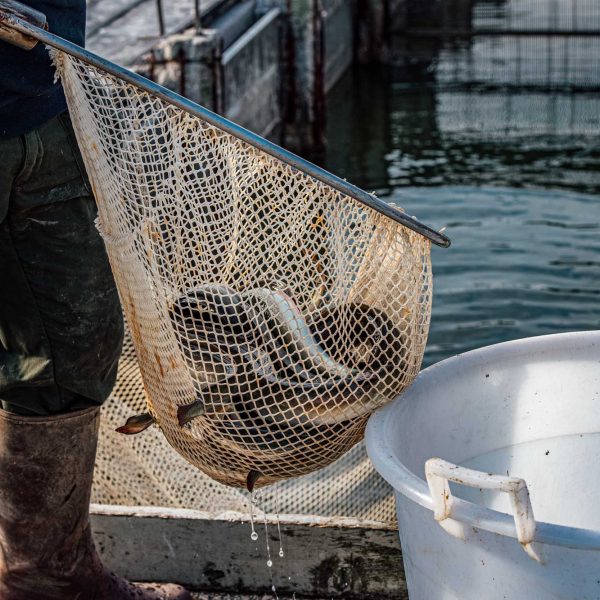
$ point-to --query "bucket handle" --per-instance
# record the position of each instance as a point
(439, 472)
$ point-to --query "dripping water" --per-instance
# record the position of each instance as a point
(256, 498)
(253, 535)
(281, 553)
(269, 560)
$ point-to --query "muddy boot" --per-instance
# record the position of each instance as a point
(46, 547)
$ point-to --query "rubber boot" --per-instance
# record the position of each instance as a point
(46, 547)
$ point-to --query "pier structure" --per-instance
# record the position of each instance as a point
(269, 64)
(266, 64)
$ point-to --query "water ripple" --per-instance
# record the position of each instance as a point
(528, 264)
(513, 176)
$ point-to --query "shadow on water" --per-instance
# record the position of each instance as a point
(513, 175)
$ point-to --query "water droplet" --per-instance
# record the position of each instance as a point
(269, 563)
(278, 526)
(273, 589)
(253, 535)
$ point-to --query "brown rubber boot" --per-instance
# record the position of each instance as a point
(46, 547)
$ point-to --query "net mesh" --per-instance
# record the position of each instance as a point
(270, 314)
(144, 471)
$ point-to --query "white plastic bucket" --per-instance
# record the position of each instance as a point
(500, 421)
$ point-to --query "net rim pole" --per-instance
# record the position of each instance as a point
(285, 156)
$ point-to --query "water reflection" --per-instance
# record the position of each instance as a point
(523, 263)
(383, 134)
(520, 44)
(512, 175)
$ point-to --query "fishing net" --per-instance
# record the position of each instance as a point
(144, 471)
(270, 313)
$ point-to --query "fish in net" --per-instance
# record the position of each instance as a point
(272, 306)
(271, 314)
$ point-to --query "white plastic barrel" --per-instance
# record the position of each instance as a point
(494, 456)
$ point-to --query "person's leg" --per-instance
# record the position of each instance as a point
(60, 340)
(60, 318)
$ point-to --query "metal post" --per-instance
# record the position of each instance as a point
(197, 16)
(161, 17)
(318, 79)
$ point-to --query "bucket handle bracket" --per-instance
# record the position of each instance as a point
(440, 472)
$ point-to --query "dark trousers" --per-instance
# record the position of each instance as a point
(61, 328)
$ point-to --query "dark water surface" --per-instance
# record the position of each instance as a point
(513, 176)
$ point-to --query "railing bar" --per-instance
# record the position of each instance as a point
(161, 17)
(249, 35)
(467, 33)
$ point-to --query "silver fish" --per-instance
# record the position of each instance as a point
(295, 338)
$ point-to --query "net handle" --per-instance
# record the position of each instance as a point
(10, 20)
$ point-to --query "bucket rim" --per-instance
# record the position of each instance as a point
(415, 488)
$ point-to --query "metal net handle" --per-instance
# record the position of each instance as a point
(10, 21)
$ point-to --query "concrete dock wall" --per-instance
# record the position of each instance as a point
(266, 64)
(251, 76)
(321, 43)
(233, 67)
(338, 32)
(124, 30)
(186, 63)
(214, 552)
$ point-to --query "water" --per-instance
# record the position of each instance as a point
(281, 553)
(523, 262)
(269, 559)
(256, 506)
(513, 175)
(535, 60)
(253, 505)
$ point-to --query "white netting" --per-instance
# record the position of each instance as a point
(270, 313)
(144, 471)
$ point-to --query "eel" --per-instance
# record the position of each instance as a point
(302, 385)
(136, 424)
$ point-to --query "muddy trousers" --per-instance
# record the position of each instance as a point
(60, 340)
(60, 320)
